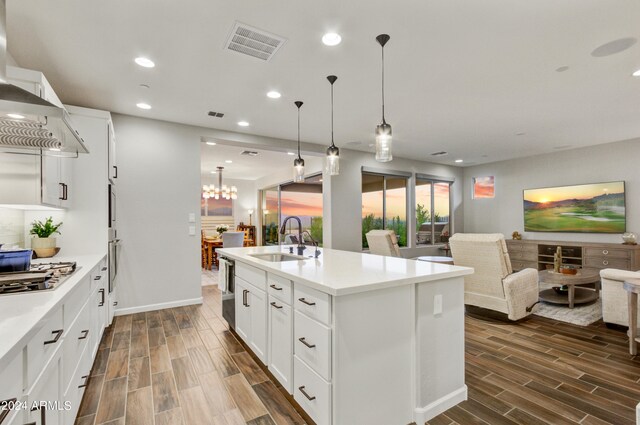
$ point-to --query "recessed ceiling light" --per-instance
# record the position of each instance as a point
(228, 161)
(145, 62)
(331, 39)
(243, 124)
(290, 153)
(211, 143)
(274, 94)
(637, 73)
(459, 161)
(16, 116)
(54, 149)
(142, 105)
(213, 172)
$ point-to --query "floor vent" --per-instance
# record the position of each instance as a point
(253, 42)
(441, 153)
(216, 114)
(249, 153)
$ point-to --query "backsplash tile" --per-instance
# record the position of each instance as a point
(12, 227)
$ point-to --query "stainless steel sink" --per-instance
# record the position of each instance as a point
(277, 257)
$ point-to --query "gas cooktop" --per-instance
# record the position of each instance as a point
(41, 276)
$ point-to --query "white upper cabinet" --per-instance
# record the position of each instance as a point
(113, 166)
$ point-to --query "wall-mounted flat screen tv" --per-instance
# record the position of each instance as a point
(585, 208)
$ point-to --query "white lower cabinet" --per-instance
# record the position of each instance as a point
(45, 403)
(280, 343)
(251, 317)
(312, 392)
(11, 389)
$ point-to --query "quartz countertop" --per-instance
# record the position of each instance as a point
(21, 313)
(338, 272)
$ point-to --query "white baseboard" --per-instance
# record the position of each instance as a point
(423, 414)
(160, 306)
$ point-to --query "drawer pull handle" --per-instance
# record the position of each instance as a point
(304, 341)
(97, 278)
(102, 298)
(273, 304)
(275, 287)
(86, 381)
(245, 301)
(104, 269)
(605, 252)
(58, 334)
(85, 333)
(310, 398)
(304, 301)
(6, 405)
(43, 415)
(605, 262)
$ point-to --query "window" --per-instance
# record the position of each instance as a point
(433, 209)
(216, 207)
(384, 205)
(484, 187)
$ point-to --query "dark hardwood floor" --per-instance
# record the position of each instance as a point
(541, 371)
(182, 366)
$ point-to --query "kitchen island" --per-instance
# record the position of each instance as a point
(354, 338)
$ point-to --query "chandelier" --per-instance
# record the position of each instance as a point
(221, 191)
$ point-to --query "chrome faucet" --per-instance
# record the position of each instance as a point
(301, 246)
(314, 242)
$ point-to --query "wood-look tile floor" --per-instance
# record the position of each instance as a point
(183, 366)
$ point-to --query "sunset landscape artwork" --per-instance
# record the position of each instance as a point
(593, 208)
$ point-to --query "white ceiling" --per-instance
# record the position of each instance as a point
(463, 76)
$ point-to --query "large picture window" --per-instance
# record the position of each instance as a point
(384, 205)
(433, 211)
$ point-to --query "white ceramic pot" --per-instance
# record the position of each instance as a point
(44, 247)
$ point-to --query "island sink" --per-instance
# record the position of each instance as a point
(277, 257)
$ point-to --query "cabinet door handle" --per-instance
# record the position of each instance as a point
(97, 277)
(104, 269)
(115, 168)
(58, 334)
(304, 301)
(605, 263)
(85, 333)
(86, 381)
(6, 406)
(102, 300)
(61, 197)
(304, 341)
(273, 304)
(115, 303)
(66, 192)
(43, 415)
(605, 252)
(275, 287)
(310, 398)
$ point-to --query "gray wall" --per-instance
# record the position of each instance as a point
(504, 213)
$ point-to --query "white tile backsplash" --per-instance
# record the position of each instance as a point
(12, 227)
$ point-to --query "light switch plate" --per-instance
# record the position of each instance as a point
(192, 218)
(192, 230)
(437, 304)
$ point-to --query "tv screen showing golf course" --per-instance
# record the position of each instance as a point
(585, 208)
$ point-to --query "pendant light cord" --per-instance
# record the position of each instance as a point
(299, 157)
(332, 144)
(383, 121)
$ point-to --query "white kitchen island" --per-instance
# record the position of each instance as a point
(355, 338)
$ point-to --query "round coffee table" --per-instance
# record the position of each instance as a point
(569, 292)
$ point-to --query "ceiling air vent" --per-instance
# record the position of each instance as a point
(253, 42)
(441, 153)
(216, 114)
(249, 153)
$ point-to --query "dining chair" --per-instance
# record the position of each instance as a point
(232, 239)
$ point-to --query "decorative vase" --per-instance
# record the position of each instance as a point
(629, 238)
(44, 247)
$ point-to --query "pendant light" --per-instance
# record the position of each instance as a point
(383, 131)
(298, 163)
(222, 191)
(332, 163)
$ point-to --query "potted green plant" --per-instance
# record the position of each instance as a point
(42, 243)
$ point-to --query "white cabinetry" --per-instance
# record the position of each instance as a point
(112, 164)
(47, 395)
(251, 308)
(280, 342)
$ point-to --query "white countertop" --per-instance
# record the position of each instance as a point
(338, 272)
(21, 313)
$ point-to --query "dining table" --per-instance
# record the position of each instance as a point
(211, 243)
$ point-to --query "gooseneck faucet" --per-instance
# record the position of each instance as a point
(314, 242)
(301, 246)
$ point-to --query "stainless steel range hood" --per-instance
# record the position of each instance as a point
(28, 121)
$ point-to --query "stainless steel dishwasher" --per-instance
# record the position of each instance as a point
(229, 296)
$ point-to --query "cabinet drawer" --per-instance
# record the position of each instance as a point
(75, 301)
(523, 255)
(99, 274)
(253, 275)
(602, 263)
(11, 387)
(75, 342)
(518, 265)
(44, 344)
(280, 288)
(312, 343)
(77, 386)
(607, 253)
(312, 393)
(314, 304)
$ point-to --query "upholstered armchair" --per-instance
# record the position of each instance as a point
(614, 298)
(493, 285)
(383, 242)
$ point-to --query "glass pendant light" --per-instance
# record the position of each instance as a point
(384, 138)
(332, 163)
(298, 163)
